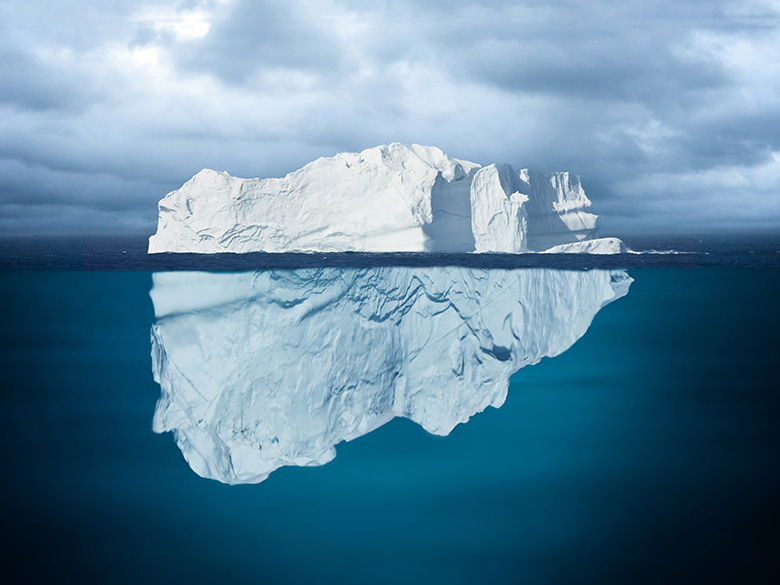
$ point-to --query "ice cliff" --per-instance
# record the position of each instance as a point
(264, 369)
(390, 198)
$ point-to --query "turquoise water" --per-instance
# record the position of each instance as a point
(648, 452)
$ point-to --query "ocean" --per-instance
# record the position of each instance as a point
(647, 452)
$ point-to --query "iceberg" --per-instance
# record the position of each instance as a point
(392, 198)
(260, 370)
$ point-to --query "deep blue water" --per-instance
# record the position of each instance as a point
(649, 452)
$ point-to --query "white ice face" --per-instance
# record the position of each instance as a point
(264, 369)
(393, 198)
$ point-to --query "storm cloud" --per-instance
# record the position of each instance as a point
(668, 110)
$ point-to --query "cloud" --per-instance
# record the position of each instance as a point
(248, 37)
(29, 82)
(104, 107)
(721, 198)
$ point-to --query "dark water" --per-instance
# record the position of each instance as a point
(649, 452)
(129, 253)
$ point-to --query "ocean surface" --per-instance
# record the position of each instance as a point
(649, 452)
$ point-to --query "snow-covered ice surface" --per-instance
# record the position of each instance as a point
(393, 198)
(260, 370)
(597, 246)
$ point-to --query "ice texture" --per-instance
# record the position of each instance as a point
(597, 246)
(499, 219)
(393, 198)
(260, 370)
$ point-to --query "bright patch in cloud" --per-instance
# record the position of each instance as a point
(144, 56)
(184, 26)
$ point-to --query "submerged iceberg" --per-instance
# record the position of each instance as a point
(394, 198)
(260, 370)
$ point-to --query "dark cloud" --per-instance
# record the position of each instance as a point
(256, 36)
(589, 68)
(30, 82)
(68, 218)
(21, 184)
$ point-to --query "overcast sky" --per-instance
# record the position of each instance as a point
(669, 110)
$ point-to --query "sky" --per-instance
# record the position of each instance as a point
(669, 110)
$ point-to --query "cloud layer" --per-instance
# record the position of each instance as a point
(668, 110)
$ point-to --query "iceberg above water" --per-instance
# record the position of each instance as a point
(597, 246)
(393, 198)
(260, 370)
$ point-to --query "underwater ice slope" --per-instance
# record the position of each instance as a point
(264, 369)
